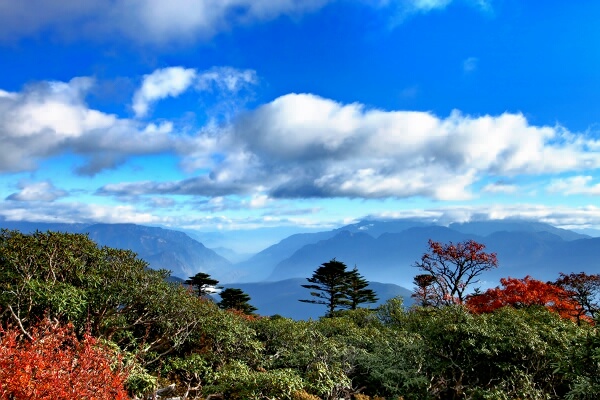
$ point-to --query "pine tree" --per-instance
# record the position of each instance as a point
(357, 290)
(203, 284)
(335, 287)
(329, 284)
(236, 299)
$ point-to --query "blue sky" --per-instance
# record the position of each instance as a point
(240, 114)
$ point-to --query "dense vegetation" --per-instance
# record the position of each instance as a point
(109, 313)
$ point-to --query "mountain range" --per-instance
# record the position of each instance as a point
(383, 251)
(161, 248)
(386, 251)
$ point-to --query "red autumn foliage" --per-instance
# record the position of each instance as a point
(585, 289)
(523, 293)
(455, 267)
(55, 364)
(243, 315)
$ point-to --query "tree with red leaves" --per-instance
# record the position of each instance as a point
(455, 267)
(585, 289)
(52, 363)
(526, 292)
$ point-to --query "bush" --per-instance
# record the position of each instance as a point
(54, 364)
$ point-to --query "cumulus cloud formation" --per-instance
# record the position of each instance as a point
(161, 22)
(37, 191)
(303, 146)
(173, 81)
(296, 146)
(47, 119)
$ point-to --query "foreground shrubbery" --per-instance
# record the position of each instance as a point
(161, 333)
(53, 363)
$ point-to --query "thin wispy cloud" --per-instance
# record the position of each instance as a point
(470, 64)
(575, 185)
(500, 187)
(173, 81)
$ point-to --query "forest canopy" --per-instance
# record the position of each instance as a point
(148, 334)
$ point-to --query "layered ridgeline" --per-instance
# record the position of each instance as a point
(387, 251)
(384, 251)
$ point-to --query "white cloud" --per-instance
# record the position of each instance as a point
(560, 216)
(37, 191)
(75, 212)
(162, 22)
(173, 81)
(575, 185)
(428, 5)
(144, 21)
(162, 83)
(259, 201)
(226, 79)
(400, 10)
(296, 146)
(51, 118)
(303, 146)
(500, 187)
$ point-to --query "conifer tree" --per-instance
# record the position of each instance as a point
(329, 285)
(357, 290)
(236, 299)
(203, 284)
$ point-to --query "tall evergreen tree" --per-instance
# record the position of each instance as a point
(203, 283)
(329, 285)
(357, 290)
(236, 299)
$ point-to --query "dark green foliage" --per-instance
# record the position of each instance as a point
(329, 285)
(357, 292)
(203, 284)
(167, 334)
(335, 287)
(111, 292)
(449, 353)
(236, 299)
(581, 367)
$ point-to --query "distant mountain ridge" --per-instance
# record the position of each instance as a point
(161, 248)
(384, 251)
